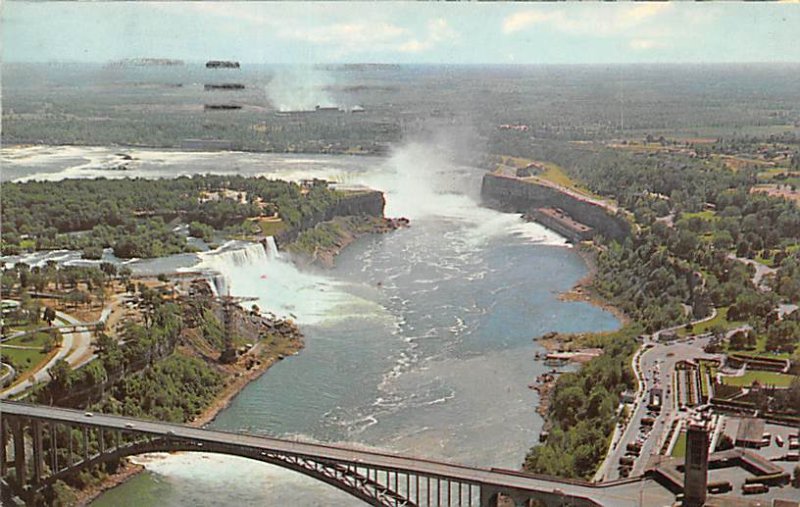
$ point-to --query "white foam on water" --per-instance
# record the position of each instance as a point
(420, 183)
(198, 478)
(249, 270)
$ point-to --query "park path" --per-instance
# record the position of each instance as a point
(76, 349)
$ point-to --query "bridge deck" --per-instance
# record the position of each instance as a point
(619, 493)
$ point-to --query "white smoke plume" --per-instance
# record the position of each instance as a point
(300, 88)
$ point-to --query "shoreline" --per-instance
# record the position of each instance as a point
(232, 389)
(582, 290)
(237, 381)
(545, 383)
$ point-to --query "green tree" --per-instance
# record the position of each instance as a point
(61, 373)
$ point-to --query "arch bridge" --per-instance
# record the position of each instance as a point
(41, 445)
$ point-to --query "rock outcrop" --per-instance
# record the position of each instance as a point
(523, 196)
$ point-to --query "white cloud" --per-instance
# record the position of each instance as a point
(524, 19)
(412, 46)
(439, 30)
(362, 36)
(347, 34)
(579, 20)
(645, 44)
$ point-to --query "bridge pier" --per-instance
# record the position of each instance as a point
(18, 435)
(52, 430)
(38, 452)
(85, 444)
(3, 453)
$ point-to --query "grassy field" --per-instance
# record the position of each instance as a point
(552, 173)
(23, 359)
(39, 339)
(34, 353)
(763, 377)
(679, 451)
(767, 262)
(705, 367)
(14, 326)
(271, 227)
(721, 320)
(760, 350)
(708, 215)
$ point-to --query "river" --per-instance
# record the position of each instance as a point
(418, 341)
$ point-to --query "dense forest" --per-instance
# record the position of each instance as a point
(698, 224)
(694, 216)
(137, 217)
(141, 376)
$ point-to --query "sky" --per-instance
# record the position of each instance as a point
(401, 32)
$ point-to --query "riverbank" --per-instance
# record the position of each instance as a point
(234, 385)
(582, 291)
(321, 245)
(554, 342)
(284, 339)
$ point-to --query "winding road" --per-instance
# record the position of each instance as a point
(76, 349)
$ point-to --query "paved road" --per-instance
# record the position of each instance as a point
(761, 270)
(621, 438)
(76, 349)
(657, 365)
(623, 495)
(8, 373)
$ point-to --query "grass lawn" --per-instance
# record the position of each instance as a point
(38, 339)
(13, 326)
(763, 377)
(766, 262)
(721, 319)
(679, 451)
(760, 350)
(704, 379)
(271, 227)
(708, 215)
(23, 359)
(552, 173)
(556, 174)
(27, 244)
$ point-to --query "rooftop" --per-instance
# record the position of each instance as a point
(750, 430)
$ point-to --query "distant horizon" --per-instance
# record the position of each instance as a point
(403, 32)
(411, 64)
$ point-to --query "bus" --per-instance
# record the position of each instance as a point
(719, 487)
(754, 489)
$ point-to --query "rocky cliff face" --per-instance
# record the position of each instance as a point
(513, 195)
(369, 203)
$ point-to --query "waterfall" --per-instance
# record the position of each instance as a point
(258, 270)
(247, 254)
(219, 285)
(272, 248)
(234, 255)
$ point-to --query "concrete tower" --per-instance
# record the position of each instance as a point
(696, 466)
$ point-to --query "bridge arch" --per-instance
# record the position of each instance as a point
(370, 485)
(38, 450)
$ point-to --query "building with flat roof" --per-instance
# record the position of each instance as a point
(750, 432)
(559, 221)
